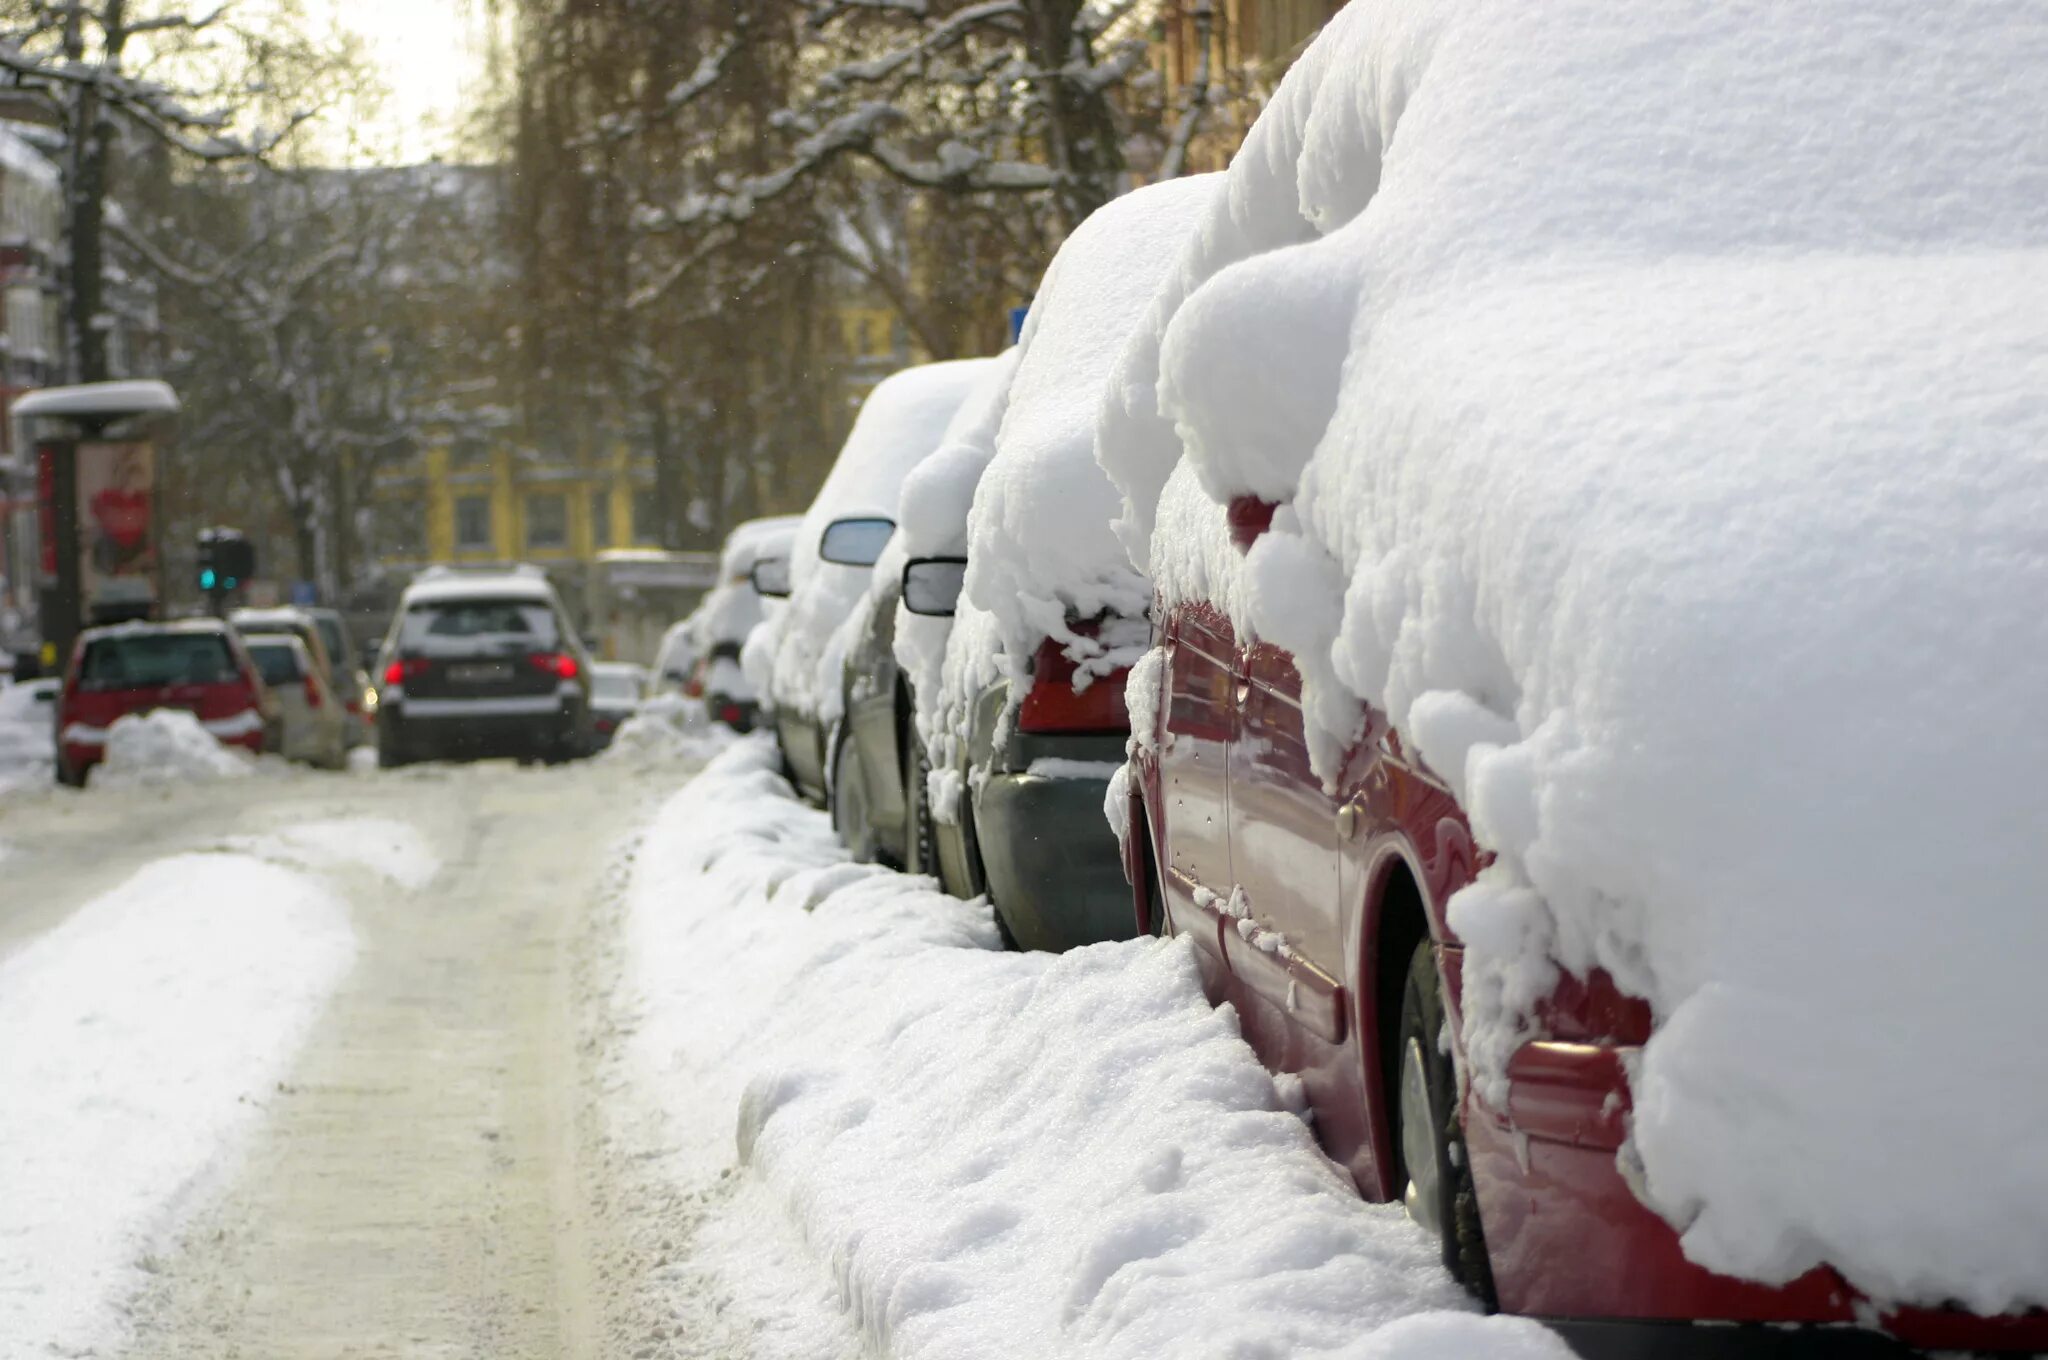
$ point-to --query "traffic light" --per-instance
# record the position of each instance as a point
(226, 559)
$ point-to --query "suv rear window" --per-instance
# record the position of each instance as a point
(274, 661)
(457, 620)
(148, 660)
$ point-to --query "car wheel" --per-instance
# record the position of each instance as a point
(69, 775)
(920, 836)
(1431, 1140)
(389, 756)
(849, 801)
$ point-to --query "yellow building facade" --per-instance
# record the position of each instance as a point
(478, 504)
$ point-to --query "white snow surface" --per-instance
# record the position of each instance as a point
(27, 739)
(901, 423)
(137, 1042)
(1658, 400)
(383, 846)
(988, 1153)
(165, 746)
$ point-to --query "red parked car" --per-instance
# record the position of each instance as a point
(1321, 917)
(198, 665)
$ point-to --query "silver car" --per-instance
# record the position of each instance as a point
(315, 718)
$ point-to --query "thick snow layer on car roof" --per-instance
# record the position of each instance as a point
(900, 423)
(478, 586)
(949, 1151)
(1658, 397)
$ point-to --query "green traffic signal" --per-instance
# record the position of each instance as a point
(206, 579)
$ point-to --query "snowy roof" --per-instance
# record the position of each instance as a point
(136, 396)
(478, 586)
(20, 156)
(1654, 394)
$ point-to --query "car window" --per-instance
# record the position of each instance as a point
(457, 619)
(337, 644)
(275, 662)
(151, 659)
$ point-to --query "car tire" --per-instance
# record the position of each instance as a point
(848, 800)
(1428, 1133)
(920, 835)
(69, 775)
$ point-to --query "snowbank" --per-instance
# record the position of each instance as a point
(137, 1043)
(900, 424)
(1660, 438)
(667, 729)
(165, 746)
(27, 739)
(990, 1154)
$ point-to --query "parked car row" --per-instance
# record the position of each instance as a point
(262, 680)
(1068, 629)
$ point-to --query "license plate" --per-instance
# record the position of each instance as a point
(481, 673)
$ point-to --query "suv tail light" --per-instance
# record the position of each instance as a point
(398, 672)
(1053, 705)
(1592, 1010)
(312, 692)
(561, 665)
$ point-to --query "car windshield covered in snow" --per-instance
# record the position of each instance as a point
(150, 660)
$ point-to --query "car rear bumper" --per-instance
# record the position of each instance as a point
(465, 728)
(1053, 865)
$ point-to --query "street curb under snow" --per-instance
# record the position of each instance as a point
(990, 1154)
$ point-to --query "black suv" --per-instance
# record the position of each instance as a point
(482, 665)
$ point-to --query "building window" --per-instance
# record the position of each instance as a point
(547, 521)
(601, 519)
(472, 523)
(646, 517)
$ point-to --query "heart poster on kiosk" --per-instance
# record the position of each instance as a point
(116, 505)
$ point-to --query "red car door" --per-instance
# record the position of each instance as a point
(1193, 774)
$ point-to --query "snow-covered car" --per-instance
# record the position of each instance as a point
(1026, 722)
(834, 552)
(880, 802)
(712, 637)
(197, 665)
(616, 691)
(481, 664)
(1591, 466)
(315, 720)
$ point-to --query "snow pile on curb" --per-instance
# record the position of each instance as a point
(668, 729)
(165, 746)
(1653, 400)
(136, 1043)
(994, 1154)
(27, 743)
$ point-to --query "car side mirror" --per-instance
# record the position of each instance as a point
(1249, 519)
(932, 585)
(770, 576)
(856, 542)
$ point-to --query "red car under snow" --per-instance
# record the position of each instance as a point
(198, 665)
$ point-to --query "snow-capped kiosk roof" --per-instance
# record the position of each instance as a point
(1657, 395)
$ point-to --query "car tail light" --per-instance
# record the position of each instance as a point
(561, 665)
(312, 692)
(1053, 705)
(398, 672)
(1592, 1010)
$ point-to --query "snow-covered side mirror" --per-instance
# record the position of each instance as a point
(856, 542)
(1249, 518)
(932, 585)
(770, 576)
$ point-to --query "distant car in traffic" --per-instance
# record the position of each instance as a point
(198, 665)
(616, 689)
(351, 681)
(321, 632)
(316, 721)
(482, 664)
